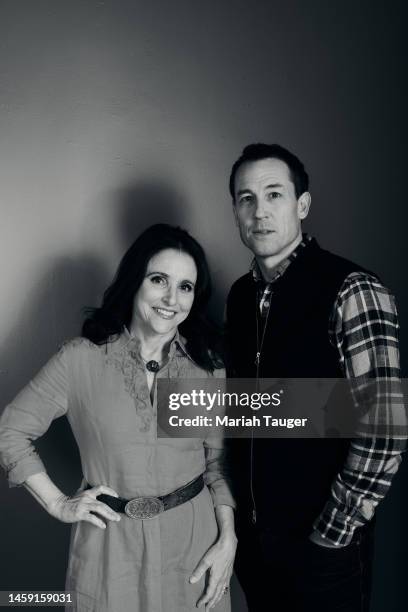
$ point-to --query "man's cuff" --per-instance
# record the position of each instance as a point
(335, 526)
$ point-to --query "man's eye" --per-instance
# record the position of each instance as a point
(246, 199)
(272, 195)
(158, 280)
(187, 287)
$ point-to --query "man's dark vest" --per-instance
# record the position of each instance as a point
(291, 477)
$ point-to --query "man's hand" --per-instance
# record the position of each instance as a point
(219, 561)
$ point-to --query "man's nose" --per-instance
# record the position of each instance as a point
(260, 211)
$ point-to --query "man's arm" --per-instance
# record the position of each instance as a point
(364, 328)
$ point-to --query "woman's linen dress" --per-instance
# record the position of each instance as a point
(133, 565)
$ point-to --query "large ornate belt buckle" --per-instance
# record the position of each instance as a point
(144, 507)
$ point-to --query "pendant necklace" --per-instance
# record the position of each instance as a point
(152, 365)
(259, 345)
(260, 341)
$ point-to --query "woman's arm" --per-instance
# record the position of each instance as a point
(80, 507)
(218, 560)
(225, 520)
(27, 418)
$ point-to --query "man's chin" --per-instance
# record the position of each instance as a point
(262, 251)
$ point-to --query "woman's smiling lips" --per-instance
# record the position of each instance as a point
(164, 313)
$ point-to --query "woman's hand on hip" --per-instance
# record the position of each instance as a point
(84, 507)
(219, 562)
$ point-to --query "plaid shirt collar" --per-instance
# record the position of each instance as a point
(283, 266)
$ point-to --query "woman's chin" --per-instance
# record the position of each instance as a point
(164, 327)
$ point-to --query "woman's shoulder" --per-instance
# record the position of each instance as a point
(78, 344)
(219, 373)
(196, 369)
(83, 346)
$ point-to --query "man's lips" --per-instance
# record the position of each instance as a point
(164, 313)
(263, 232)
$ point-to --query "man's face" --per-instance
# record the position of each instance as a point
(266, 209)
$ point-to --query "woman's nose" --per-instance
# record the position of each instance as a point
(170, 297)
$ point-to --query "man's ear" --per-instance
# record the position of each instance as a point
(304, 202)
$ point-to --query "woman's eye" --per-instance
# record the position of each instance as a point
(187, 288)
(158, 280)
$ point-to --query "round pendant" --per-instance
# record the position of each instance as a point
(152, 366)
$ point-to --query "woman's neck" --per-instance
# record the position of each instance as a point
(153, 346)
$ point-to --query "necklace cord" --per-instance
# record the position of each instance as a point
(259, 346)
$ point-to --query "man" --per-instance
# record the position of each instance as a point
(305, 506)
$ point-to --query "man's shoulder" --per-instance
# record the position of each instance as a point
(243, 283)
(327, 260)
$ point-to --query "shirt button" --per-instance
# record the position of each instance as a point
(266, 304)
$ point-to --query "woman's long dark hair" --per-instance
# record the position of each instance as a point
(104, 324)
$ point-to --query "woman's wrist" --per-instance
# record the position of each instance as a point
(53, 503)
(44, 490)
(226, 529)
(228, 541)
(225, 520)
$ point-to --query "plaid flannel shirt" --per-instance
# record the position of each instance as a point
(364, 328)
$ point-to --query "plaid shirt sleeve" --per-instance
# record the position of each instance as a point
(364, 327)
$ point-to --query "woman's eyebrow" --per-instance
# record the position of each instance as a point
(157, 272)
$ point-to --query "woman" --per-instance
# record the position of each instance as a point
(151, 325)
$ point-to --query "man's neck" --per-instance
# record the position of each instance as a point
(268, 265)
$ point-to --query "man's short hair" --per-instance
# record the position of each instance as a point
(259, 151)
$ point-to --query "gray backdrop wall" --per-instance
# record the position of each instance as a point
(118, 114)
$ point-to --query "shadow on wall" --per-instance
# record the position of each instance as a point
(51, 314)
(142, 204)
(139, 205)
(35, 545)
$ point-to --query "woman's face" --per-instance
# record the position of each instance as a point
(166, 294)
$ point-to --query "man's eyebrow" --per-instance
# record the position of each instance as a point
(241, 191)
(274, 186)
(271, 186)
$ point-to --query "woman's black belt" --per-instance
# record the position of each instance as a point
(149, 507)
